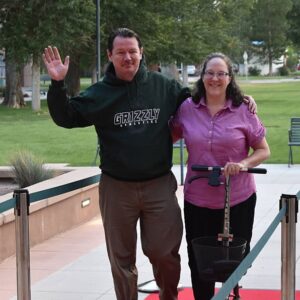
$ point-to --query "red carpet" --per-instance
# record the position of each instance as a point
(187, 294)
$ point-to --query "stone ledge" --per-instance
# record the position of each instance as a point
(53, 215)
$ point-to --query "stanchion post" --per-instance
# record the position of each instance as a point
(181, 162)
(288, 247)
(22, 244)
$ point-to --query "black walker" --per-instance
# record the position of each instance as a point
(217, 258)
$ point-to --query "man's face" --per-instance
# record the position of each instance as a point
(125, 56)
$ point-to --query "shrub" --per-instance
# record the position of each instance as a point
(28, 169)
(292, 62)
(283, 71)
(2, 91)
(254, 71)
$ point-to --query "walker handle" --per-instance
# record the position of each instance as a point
(208, 168)
(255, 170)
(204, 168)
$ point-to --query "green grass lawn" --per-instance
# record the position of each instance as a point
(36, 132)
(277, 103)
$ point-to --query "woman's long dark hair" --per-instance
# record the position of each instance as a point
(233, 91)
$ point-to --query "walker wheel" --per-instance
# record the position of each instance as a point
(236, 292)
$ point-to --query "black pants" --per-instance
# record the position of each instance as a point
(201, 221)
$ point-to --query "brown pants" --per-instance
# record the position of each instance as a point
(154, 203)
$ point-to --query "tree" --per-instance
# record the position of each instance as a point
(171, 31)
(81, 42)
(24, 35)
(294, 23)
(72, 33)
(13, 92)
(235, 27)
(270, 26)
(9, 24)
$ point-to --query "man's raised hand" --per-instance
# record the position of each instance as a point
(56, 69)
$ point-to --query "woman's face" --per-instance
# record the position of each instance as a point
(216, 78)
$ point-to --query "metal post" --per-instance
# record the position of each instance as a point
(288, 247)
(245, 56)
(98, 69)
(181, 162)
(22, 244)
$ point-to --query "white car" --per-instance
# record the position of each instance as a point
(191, 70)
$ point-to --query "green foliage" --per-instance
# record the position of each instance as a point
(28, 169)
(292, 63)
(254, 71)
(27, 27)
(294, 23)
(283, 71)
(270, 27)
(2, 91)
(178, 31)
(235, 27)
(174, 30)
(292, 58)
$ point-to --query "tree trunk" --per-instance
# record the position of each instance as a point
(73, 77)
(270, 59)
(13, 91)
(36, 100)
(94, 76)
(184, 74)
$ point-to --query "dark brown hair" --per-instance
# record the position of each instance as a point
(122, 32)
(233, 91)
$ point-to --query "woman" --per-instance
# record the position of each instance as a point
(219, 130)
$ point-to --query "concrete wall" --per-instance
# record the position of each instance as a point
(53, 215)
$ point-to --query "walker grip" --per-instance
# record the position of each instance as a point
(255, 170)
(211, 168)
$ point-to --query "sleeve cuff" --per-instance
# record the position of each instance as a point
(57, 84)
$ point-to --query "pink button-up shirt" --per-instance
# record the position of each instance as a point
(213, 141)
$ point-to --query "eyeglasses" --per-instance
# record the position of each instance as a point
(211, 74)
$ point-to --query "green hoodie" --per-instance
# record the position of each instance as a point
(131, 120)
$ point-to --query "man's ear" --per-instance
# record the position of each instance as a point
(108, 54)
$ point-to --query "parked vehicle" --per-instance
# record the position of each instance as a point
(191, 70)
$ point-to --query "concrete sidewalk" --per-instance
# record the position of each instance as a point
(74, 265)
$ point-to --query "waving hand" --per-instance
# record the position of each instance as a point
(56, 69)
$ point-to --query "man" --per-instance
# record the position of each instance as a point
(130, 110)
